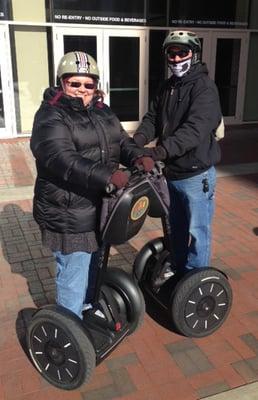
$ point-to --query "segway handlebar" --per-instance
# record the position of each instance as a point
(111, 188)
(159, 166)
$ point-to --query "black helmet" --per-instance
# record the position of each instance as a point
(184, 38)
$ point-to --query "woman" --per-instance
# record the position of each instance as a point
(78, 143)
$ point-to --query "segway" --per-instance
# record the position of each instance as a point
(196, 302)
(66, 349)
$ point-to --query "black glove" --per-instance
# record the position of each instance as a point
(119, 179)
(140, 139)
(146, 162)
(157, 153)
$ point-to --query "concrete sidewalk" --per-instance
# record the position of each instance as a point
(154, 363)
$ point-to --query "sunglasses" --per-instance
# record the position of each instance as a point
(180, 53)
(79, 84)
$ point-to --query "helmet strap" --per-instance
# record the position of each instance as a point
(195, 57)
(62, 83)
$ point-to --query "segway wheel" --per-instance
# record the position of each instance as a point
(128, 296)
(60, 349)
(201, 302)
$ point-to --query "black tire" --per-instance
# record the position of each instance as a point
(145, 258)
(201, 302)
(60, 349)
(128, 296)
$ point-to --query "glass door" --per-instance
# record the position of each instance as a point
(231, 54)
(120, 55)
(70, 39)
(124, 74)
(226, 56)
(7, 113)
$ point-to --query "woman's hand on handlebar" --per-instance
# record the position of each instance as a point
(145, 162)
(119, 179)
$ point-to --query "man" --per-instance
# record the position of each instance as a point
(184, 117)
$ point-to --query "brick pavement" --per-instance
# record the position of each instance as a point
(154, 363)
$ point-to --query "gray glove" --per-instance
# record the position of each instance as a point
(157, 153)
(140, 139)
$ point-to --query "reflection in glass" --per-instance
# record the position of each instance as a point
(2, 121)
(157, 63)
(132, 8)
(203, 13)
(157, 12)
(226, 75)
(124, 77)
(88, 44)
(99, 11)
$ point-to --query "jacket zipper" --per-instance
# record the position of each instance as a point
(102, 138)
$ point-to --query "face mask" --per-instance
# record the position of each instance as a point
(181, 68)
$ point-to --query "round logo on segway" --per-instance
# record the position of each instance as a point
(139, 208)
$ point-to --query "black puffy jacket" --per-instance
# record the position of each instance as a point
(184, 117)
(76, 150)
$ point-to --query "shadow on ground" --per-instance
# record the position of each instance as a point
(22, 249)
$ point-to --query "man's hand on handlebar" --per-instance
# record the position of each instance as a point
(146, 162)
(157, 153)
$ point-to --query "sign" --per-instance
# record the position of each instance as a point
(114, 12)
(4, 10)
(182, 13)
(216, 14)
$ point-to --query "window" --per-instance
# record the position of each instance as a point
(202, 13)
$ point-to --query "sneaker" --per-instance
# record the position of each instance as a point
(90, 310)
(99, 313)
(87, 307)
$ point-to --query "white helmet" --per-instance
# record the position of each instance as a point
(77, 63)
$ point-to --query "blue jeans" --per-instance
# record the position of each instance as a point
(75, 279)
(191, 213)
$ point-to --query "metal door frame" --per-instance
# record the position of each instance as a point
(210, 39)
(9, 130)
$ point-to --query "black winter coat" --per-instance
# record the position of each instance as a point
(184, 117)
(76, 150)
